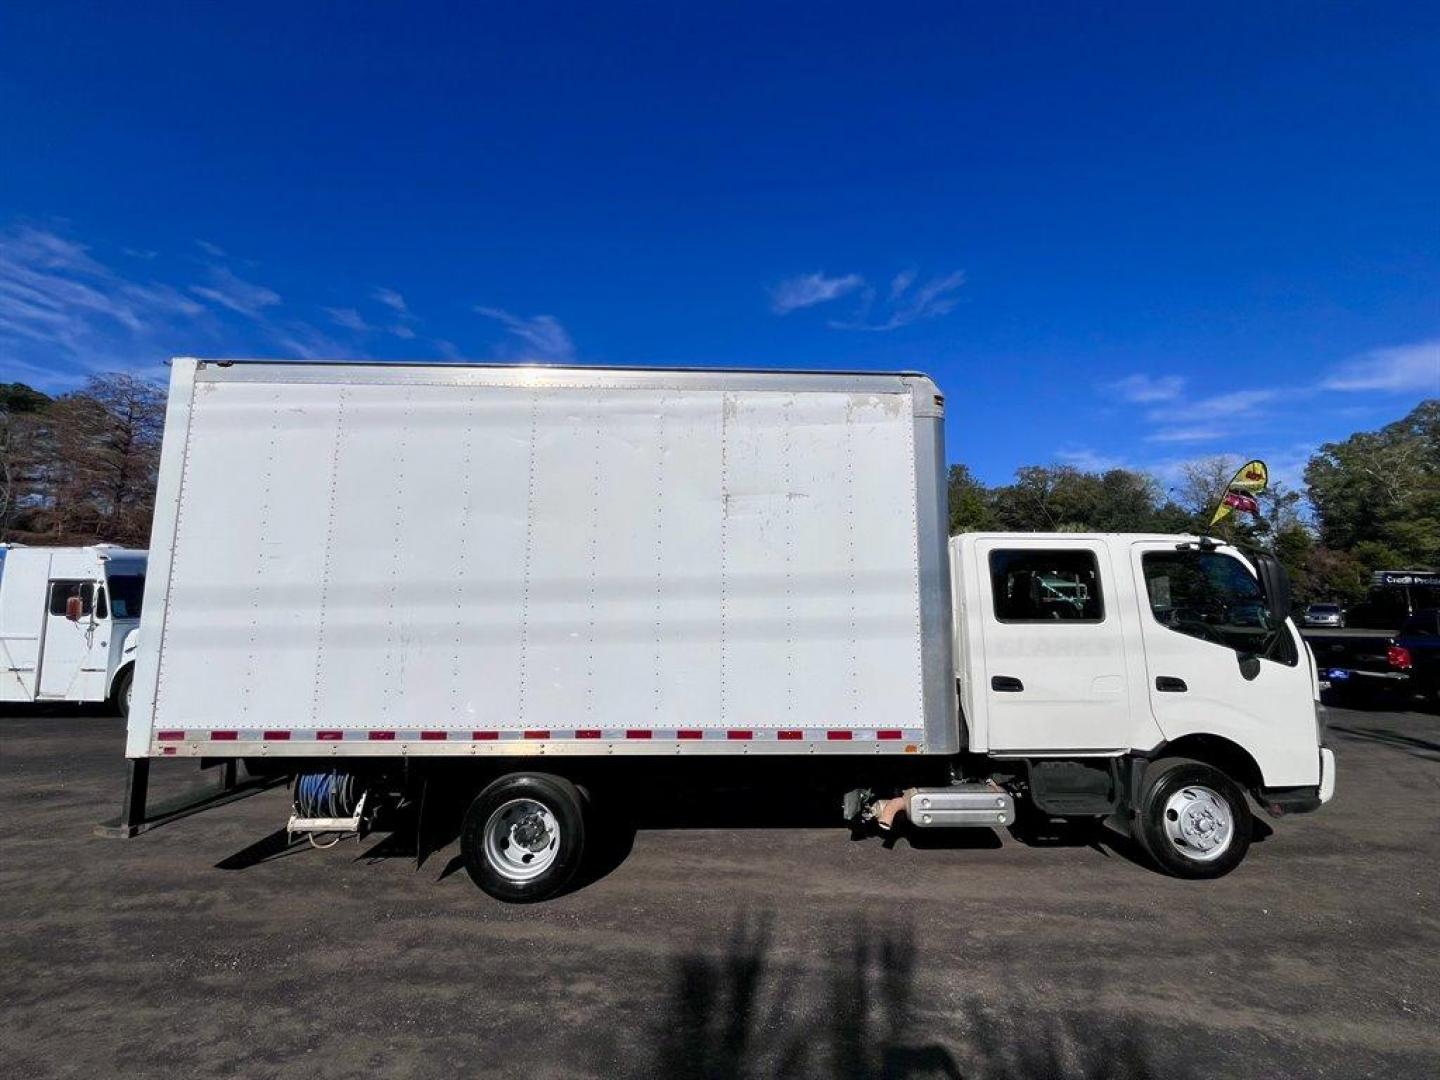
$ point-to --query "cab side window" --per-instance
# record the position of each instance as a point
(63, 590)
(1046, 586)
(1211, 596)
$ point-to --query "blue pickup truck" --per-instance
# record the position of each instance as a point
(1362, 666)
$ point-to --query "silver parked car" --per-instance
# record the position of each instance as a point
(1331, 615)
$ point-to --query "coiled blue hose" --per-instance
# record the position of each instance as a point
(326, 794)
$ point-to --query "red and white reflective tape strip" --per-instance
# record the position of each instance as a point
(545, 735)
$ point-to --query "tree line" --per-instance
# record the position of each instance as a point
(1373, 504)
(80, 468)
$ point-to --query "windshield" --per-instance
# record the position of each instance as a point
(126, 591)
(1324, 609)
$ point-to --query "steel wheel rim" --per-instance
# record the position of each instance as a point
(522, 839)
(1199, 823)
(129, 685)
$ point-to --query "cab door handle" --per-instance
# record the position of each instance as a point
(1006, 684)
(1168, 684)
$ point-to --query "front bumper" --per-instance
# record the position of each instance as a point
(1302, 800)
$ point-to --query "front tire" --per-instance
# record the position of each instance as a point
(1192, 819)
(523, 838)
(120, 695)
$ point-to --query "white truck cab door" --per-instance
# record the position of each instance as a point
(74, 653)
(1215, 663)
(1055, 674)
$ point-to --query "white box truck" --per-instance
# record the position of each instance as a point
(69, 619)
(559, 589)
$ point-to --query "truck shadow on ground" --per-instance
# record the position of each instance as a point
(1424, 749)
(853, 1012)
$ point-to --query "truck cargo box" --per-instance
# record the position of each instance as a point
(387, 559)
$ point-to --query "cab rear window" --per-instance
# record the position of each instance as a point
(1046, 586)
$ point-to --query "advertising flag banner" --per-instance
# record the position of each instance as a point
(1249, 480)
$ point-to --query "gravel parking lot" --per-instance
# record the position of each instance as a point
(714, 951)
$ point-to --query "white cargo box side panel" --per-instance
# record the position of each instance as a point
(374, 559)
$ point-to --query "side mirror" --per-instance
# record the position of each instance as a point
(74, 608)
(1275, 583)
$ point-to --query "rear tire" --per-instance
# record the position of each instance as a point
(1192, 820)
(523, 838)
(120, 695)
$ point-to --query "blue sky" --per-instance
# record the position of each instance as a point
(1114, 234)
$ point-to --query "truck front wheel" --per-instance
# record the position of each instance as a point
(1192, 820)
(523, 837)
(120, 695)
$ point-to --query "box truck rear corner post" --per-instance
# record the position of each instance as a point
(527, 600)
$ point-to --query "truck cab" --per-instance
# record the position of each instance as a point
(69, 620)
(1088, 648)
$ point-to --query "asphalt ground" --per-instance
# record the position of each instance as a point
(208, 948)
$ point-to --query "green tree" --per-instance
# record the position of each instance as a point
(1061, 498)
(80, 468)
(1377, 494)
(21, 454)
(969, 502)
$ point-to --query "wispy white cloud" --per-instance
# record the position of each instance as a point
(448, 349)
(301, 340)
(1222, 410)
(905, 305)
(1088, 459)
(61, 305)
(215, 251)
(391, 299)
(936, 297)
(1185, 434)
(240, 296)
(65, 312)
(542, 336)
(1402, 369)
(1144, 389)
(403, 326)
(349, 318)
(807, 290)
(1239, 401)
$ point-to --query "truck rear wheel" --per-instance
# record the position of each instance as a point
(1192, 820)
(523, 837)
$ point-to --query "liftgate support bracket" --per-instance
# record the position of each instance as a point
(136, 817)
(132, 807)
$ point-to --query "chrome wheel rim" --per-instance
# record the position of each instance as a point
(522, 839)
(1199, 823)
